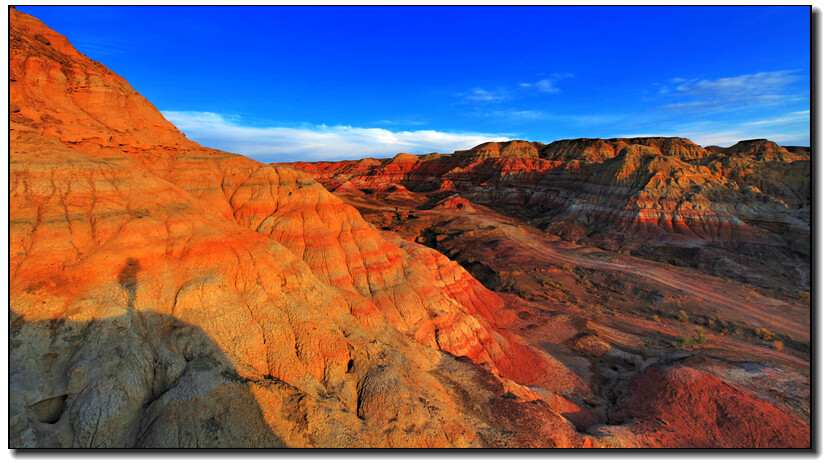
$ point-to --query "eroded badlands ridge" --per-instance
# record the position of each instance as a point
(164, 294)
(728, 211)
(662, 344)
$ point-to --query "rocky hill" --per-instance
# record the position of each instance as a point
(728, 211)
(164, 294)
(153, 279)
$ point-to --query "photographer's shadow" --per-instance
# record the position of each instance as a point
(136, 379)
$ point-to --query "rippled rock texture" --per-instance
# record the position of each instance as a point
(728, 211)
(166, 294)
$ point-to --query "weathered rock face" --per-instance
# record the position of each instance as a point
(693, 409)
(610, 318)
(166, 294)
(747, 203)
(524, 218)
(599, 150)
(76, 100)
(163, 294)
(512, 149)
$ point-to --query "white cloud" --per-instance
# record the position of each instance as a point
(525, 114)
(510, 114)
(547, 85)
(399, 122)
(792, 129)
(543, 85)
(745, 91)
(479, 95)
(762, 83)
(729, 138)
(316, 142)
(794, 117)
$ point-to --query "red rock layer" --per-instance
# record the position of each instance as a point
(230, 282)
(688, 408)
(512, 149)
(599, 150)
(289, 207)
(752, 198)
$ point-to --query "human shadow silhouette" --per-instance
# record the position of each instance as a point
(115, 383)
(128, 278)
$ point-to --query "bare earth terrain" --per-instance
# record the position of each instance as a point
(585, 293)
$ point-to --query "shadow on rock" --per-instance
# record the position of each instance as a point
(107, 383)
(128, 278)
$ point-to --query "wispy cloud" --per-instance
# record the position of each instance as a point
(747, 85)
(479, 95)
(543, 85)
(547, 85)
(525, 114)
(731, 137)
(728, 93)
(101, 47)
(316, 142)
(794, 117)
(510, 114)
(792, 128)
(399, 122)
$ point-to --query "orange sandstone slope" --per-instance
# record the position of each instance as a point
(167, 294)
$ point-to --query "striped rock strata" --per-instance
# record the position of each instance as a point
(166, 294)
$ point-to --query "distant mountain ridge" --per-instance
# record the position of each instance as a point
(634, 193)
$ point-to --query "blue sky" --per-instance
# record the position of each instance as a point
(291, 83)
